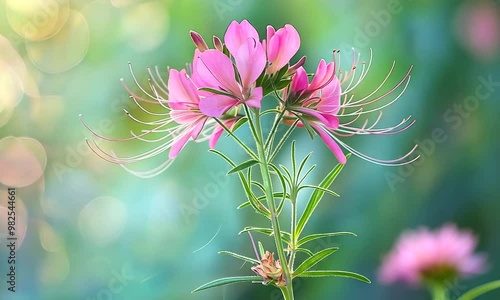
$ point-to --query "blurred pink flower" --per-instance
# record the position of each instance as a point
(422, 255)
(478, 27)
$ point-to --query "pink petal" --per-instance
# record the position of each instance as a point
(179, 144)
(299, 80)
(197, 128)
(324, 74)
(330, 143)
(216, 105)
(330, 121)
(250, 62)
(216, 71)
(218, 130)
(237, 34)
(181, 90)
(330, 97)
(270, 32)
(255, 98)
(282, 46)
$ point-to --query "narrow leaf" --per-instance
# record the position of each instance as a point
(238, 123)
(261, 250)
(313, 260)
(307, 251)
(243, 166)
(267, 231)
(238, 256)
(480, 290)
(319, 188)
(316, 197)
(228, 280)
(335, 274)
(313, 237)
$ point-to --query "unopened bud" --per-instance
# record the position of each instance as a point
(198, 41)
(218, 44)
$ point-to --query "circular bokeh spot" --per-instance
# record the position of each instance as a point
(11, 92)
(37, 19)
(49, 238)
(10, 58)
(64, 50)
(102, 220)
(54, 268)
(22, 161)
(155, 15)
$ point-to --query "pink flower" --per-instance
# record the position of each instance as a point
(184, 102)
(177, 121)
(422, 255)
(281, 46)
(214, 70)
(317, 103)
(325, 107)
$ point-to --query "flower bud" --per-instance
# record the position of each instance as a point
(198, 41)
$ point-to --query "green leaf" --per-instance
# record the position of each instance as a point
(303, 163)
(238, 256)
(267, 231)
(307, 251)
(282, 84)
(294, 164)
(238, 123)
(243, 205)
(482, 289)
(243, 166)
(246, 187)
(306, 174)
(335, 274)
(313, 260)
(319, 188)
(261, 249)
(227, 159)
(313, 237)
(228, 280)
(316, 197)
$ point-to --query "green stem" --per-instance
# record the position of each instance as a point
(438, 291)
(240, 142)
(266, 179)
(283, 140)
(274, 129)
(294, 237)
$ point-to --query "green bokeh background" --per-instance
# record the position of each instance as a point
(96, 232)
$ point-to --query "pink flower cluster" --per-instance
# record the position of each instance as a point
(424, 255)
(202, 101)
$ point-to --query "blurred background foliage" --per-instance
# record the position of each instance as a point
(90, 230)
